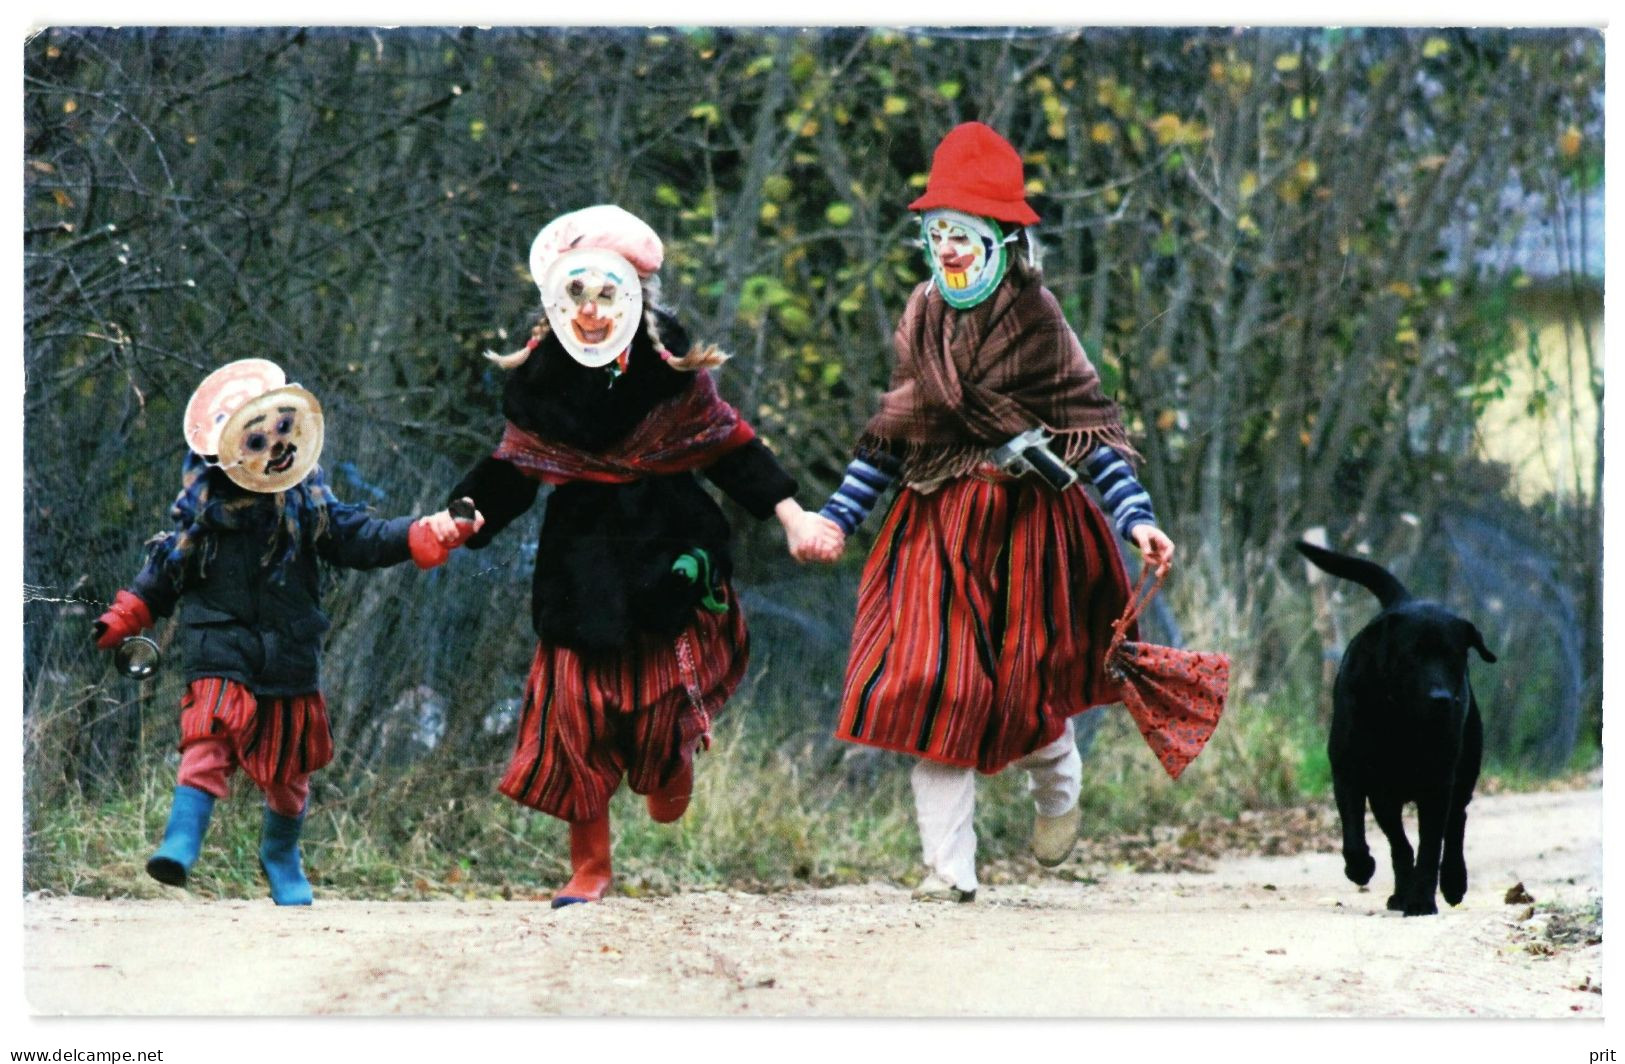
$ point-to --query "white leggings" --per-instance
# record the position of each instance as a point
(945, 803)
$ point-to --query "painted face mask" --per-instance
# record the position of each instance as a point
(273, 440)
(966, 253)
(594, 302)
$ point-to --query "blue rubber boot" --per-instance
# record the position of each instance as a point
(279, 859)
(189, 814)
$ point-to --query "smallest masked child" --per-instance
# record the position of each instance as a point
(253, 517)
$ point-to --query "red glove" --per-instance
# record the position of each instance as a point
(127, 616)
(427, 550)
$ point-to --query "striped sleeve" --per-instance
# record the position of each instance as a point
(1126, 500)
(866, 480)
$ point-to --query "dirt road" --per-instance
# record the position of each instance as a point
(1256, 936)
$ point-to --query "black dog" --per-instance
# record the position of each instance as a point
(1405, 728)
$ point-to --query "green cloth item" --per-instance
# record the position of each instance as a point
(695, 566)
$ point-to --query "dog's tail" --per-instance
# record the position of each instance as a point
(1369, 575)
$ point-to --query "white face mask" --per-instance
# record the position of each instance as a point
(966, 254)
(594, 301)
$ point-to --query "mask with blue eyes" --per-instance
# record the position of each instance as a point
(272, 441)
(966, 253)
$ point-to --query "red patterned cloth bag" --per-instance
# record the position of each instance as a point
(1175, 696)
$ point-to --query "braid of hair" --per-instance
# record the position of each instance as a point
(538, 333)
(698, 358)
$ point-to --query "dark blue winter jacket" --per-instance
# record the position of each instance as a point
(248, 612)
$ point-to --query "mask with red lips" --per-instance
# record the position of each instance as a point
(966, 254)
(594, 302)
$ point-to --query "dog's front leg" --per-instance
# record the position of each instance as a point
(1431, 812)
(1357, 862)
(1453, 866)
(1389, 819)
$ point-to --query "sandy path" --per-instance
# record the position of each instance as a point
(1259, 936)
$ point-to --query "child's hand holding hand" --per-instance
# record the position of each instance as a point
(433, 538)
(816, 539)
(812, 537)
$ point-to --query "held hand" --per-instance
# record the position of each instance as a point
(810, 537)
(815, 538)
(454, 531)
(127, 616)
(432, 539)
(1155, 546)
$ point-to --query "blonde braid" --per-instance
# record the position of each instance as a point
(538, 333)
(707, 357)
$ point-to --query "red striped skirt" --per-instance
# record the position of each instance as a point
(639, 712)
(278, 739)
(984, 613)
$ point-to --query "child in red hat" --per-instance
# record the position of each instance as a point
(986, 605)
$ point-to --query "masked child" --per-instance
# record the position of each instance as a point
(253, 519)
(640, 637)
(986, 605)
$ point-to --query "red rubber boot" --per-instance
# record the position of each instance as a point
(589, 863)
(670, 801)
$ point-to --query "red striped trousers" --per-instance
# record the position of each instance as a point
(278, 741)
(638, 711)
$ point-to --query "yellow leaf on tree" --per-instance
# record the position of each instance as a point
(1435, 46)
(1166, 127)
(1569, 143)
(1286, 63)
(1102, 133)
(1247, 185)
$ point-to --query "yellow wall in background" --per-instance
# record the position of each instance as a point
(1554, 451)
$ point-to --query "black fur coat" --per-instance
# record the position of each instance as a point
(605, 553)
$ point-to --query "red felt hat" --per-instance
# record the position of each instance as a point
(977, 171)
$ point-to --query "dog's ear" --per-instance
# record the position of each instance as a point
(1472, 639)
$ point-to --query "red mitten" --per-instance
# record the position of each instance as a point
(127, 616)
(427, 550)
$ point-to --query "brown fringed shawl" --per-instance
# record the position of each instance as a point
(968, 380)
